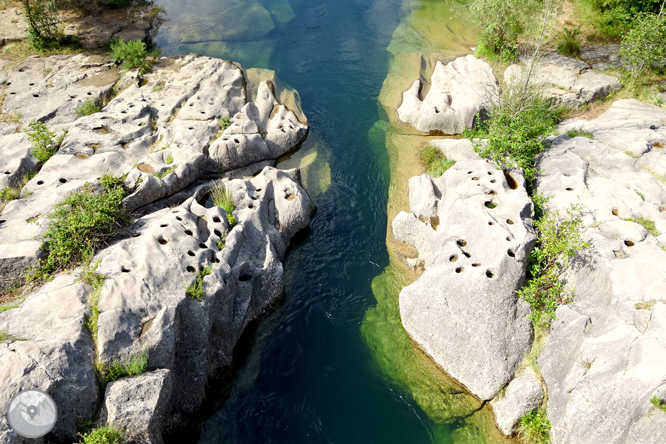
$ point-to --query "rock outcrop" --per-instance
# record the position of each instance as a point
(473, 232)
(521, 396)
(164, 133)
(569, 82)
(605, 356)
(458, 92)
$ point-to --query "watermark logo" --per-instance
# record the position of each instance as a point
(32, 413)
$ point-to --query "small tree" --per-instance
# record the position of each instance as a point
(42, 22)
(644, 46)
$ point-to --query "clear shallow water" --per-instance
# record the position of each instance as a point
(310, 376)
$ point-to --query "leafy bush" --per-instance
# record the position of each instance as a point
(612, 18)
(42, 17)
(568, 43)
(104, 435)
(222, 198)
(534, 427)
(659, 403)
(82, 222)
(195, 291)
(43, 143)
(559, 241)
(643, 48)
(132, 55)
(434, 161)
(224, 122)
(87, 108)
(8, 193)
(519, 121)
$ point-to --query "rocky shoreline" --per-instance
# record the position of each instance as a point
(602, 361)
(162, 133)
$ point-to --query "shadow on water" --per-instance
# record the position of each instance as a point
(332, 363)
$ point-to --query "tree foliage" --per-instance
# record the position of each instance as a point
(644, 46)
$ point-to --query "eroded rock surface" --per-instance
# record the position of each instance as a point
(569, 82)
(473, 232)
(458, 92)
(522, 395)
(163, 131)
(605, 356)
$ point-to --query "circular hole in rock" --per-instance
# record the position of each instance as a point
(40, 182)
(491, 223)
(82, 156)
(244, 277)
(124, 269)
(35, 95)
(493, 181)
(202, 245)
(453, 258)
(469, 172)
(569, 189)
(12, 93)
(510, 181)
(188, 232)
(217, 233)
(250, 206)
(615, 212)
(8, 172)
(215, 260)
(190, 269)
(216, 219)
(89, 93)
(511, 253)
(459, 270)
(164, 225)
(179, 218)
(258, 190)
(145, 168)
(190, 253)
(490, 173)
(62, 180)
(489, 274)
(2, 221)
(491, 193)
(31, 84)
(508, 238)
(466, 254)
(629, 243)
(476, 265)
(191, 128)
(236, 140)
(461, 243)
(475, 178)
(162, 240)
(509, 221)
(490, 205)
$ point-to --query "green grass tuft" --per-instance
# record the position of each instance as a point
(87, 108)
(133, 365)
(163, 174)
(646, 223)
(534, 427)
(434, 161)
(106, 434)
(224, 122)
(195, 290)
(579, 132)
(222, 198)
(659, 403)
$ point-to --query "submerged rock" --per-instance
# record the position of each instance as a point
(182, 282)
(473, 232)
(458, 92)
(605, 356)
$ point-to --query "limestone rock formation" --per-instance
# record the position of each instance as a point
(458, 92)
(522, 395)
(472, 229)
(163, 132)
(569, 82)
(605, 356)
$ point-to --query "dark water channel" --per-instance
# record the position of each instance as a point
(310, 377)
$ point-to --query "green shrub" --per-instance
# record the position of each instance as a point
(222, 198)
(224, 122)
(195, 290)
(87, 108)
(42, 18)
(559, 241)
(518, 123)
(132, 55)
(163, 174)
(8, 193)
(131, 365)
(502, 21)
(659, 403)
(578, 132)
(43, 143)
(534, 427)
(104, 435)
(568, 43)
(643, 48)
(83, 221)
(612, 18)
(434, 161)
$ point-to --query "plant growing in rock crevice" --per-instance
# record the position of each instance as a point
(44, 143)
(534, 427)
(223, 199)
(559, 241)
(128, 365)
(133, 55)
(87, 108)
(434, 162)
(659, 403)
(106, 434)
(85, 220)
(195, 290)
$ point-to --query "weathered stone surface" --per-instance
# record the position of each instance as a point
(473, 233)
(606, 353)
(16, 160)
(53, 353)
(138, 405)
(569, 82)
(456, 149)
(458, 92)
(522, 395)
(13, 26)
